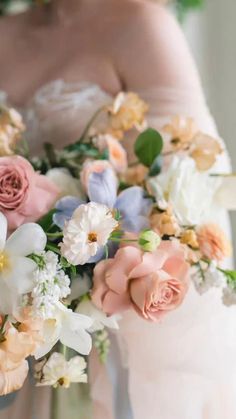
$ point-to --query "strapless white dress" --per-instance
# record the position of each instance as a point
(181, 368)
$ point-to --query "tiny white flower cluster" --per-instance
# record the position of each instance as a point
(51, 285)
(229, 296)
(212, 278)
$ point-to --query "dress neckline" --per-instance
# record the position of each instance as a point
(58, 87)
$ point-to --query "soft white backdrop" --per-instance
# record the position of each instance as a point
(212, 37)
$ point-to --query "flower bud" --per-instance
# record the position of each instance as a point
(149, 240)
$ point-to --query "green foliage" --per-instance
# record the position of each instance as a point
(182, 6)
(148, 146)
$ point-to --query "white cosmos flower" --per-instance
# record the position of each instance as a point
(59, 372)
(16, 270)
(66, 183)
(67, 327)
(101, 320)
(189, 191)
(88, 231)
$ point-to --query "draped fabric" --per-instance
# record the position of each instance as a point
(180, 368)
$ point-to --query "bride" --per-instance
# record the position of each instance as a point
(59, 63)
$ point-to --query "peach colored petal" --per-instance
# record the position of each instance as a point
(117, 274)
(115, 303)
(13, 380)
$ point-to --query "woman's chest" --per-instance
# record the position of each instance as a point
(29, 62)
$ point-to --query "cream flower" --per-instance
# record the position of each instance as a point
(67, 327)
(100, 319)
(59, 372)
(88, 231)
(188, 191)
(16, 270)
(66, 183)
(181, 131)
(11, 128)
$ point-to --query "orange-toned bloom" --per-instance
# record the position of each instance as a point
(213, 243)
(127, 111)
(189, 237)
(181, 131)
(165, 223)
(19, 342)
(11, 128)
(204, 150)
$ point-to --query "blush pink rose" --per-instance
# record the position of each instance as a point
(25, 195)
(151, 283)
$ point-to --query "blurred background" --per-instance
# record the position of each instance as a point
(211, 32)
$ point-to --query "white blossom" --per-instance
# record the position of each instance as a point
(88, 231)
(16, 269)
(51, 285)
(100, 319)
(57, 371)
(70, 328)
(209, 278)
(190, 192)
(229, 296)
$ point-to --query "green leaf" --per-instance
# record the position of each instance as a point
(148, 146)
(230, 275)
(46, 221)
(156, 166)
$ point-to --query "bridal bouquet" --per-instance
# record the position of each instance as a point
(84, 236)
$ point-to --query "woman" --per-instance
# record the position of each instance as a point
(184, 367)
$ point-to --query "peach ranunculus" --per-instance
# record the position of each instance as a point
(116, 153)
(213, 242)
(25, 195)
(19, 343)
(151, 283)
(92, 166)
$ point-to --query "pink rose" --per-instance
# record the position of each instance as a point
(151, 283)
(92, 166)
(25, 195)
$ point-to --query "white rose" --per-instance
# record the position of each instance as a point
(189, 191)
(66, 183)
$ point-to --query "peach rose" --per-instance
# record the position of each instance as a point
(19, 343)
(92, 166)
(213, 242)
(13, 379)
(151, 283)
(25, 195)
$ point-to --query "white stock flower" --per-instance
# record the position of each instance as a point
(189, 191)
(66, 183)
(101, 320)
(59, 372)
(67, 327)
(16, 270)
(229, 296)
(87, 231)
(212, 278)
(51, 285)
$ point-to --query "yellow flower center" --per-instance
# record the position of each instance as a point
(64, 382)
(92, 237)
(4, 261)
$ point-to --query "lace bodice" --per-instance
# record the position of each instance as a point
(59, 111)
